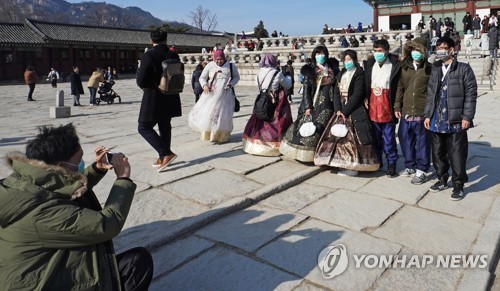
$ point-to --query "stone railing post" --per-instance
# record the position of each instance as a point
(60, 111)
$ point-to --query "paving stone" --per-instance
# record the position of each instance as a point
(152, 214)
(104, 186)
(430, 232)
(474, 279)
(427, 278)
(474, 207)
(334, 181)
(481, 176)
(488, 240)
(307, 286)
(172, 255)
(352, 210)
(297, 252)
(251, 228)
(297, 197)
(143, 172)
(276, 171)
(399, 189)
(212, 187)
(227, 271)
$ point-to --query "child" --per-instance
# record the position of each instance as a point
(195, 82)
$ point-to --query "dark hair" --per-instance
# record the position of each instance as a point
(158, 36)
(53, 144)
(29, 68)
(352, 54)
(319, 48)
(199, 67)
(289, 62)
(381, 43)
(447, 40)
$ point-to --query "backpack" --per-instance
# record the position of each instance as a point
(264, 106)
(172, 77)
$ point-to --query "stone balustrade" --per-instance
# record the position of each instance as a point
(247, 61)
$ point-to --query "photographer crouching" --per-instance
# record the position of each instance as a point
(54, 234)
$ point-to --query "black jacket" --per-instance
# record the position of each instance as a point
(354, 107)
(154, 103)
(309, 82)
(76, 84)
(393, 85)
(462, 91)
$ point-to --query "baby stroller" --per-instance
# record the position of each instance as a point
(107, 94)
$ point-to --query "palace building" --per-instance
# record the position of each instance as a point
(46, 44)
(396, 15)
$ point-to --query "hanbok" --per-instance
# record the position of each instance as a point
(264, 137)
(212, 115)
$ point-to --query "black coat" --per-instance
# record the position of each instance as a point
(393, 85)
(354, 107)
(308, 72)
(195, 82)
(154, 104)
(462, 91)
(493, 35)
(76, 84)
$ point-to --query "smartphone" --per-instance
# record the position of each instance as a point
(109, 157)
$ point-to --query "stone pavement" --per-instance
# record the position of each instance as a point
(220, 219)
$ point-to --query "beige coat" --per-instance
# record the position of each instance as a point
(95, 79)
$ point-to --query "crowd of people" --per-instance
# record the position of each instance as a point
(434, 105)
(346, 119)
(97, 78)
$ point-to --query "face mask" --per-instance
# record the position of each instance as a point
(320, 59)
(349, 65)
(81, 166)
(416, 55)
(379, 56)
(442, 55)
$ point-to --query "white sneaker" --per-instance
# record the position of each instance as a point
(347, 173)
(407, 172)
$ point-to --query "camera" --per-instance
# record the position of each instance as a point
(109, 157)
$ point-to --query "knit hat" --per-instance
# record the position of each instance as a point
(219, 54)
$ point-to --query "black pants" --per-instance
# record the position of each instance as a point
(160, 142)
(136, 269)
(450, 149)
(32, 89)
(54, 83)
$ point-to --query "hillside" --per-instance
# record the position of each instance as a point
(86, 13)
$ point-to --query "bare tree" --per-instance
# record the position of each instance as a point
(202, 17)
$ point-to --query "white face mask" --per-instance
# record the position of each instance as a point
(442, 55)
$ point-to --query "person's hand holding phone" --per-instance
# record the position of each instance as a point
(121, 165)
(102, 162)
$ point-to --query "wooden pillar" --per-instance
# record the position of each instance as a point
(471, 7)
(375, 18)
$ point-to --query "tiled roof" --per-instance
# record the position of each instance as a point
(18, 34)
(96, 35)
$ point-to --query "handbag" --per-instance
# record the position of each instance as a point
(339, 130)
(236, 101)
(307, 128)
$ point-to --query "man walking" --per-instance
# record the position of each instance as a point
(382, 75)
(409, 108)
(449, 112)
(157, 108)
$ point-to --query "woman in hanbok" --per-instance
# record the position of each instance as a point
(316, 105)
(212, 115)
(354, 152)
(262, 137)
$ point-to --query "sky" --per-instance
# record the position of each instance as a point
(290, 17)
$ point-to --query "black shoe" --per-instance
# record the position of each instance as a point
(31, 100)
(391, 171)
(438, 186)
(458, 192)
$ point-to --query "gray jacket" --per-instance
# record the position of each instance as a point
(462, 91)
